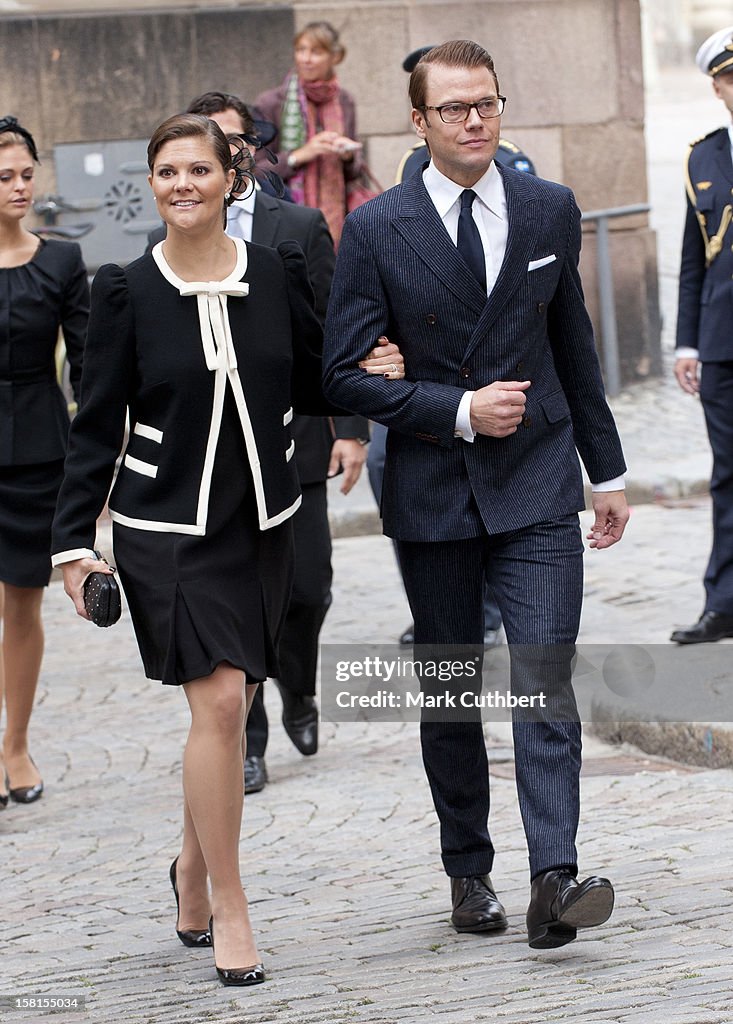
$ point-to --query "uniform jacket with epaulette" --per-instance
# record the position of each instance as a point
(705, 312)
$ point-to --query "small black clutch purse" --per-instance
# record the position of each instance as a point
(102, 597)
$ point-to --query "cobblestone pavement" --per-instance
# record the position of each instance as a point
(340, 851)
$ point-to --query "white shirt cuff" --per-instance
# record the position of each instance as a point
(71, 556)
(617, 484)
(686, 353)
(463, 418)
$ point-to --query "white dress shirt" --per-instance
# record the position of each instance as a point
(240, 216)
(489, 211)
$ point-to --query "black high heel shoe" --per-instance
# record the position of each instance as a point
(253, 975)
(24, 794)
(195, 939)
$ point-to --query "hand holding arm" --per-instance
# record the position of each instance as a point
(612, 515)
(385, 360)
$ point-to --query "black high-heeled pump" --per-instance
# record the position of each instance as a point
(25, 794)
(253, 975)
(194, 939)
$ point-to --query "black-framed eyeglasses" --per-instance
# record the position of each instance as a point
(456, 113)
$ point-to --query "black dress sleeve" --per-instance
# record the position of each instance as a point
(74, 315)
(97, 431)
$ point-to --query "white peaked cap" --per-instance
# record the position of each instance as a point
(716, 53)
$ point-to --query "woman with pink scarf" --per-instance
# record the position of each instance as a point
(318, 152)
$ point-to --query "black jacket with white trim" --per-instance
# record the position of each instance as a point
(168, 358)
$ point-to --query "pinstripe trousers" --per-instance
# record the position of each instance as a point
(537, 576)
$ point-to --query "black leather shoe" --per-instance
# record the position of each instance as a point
(300, 720)
(253, 975)
(194, 939)
(560, 904)
(407, 639)
(475, 906)
(255, 774)
(711, 626)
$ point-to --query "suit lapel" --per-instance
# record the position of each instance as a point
(423, 230)
(266, 219)
(521, 240)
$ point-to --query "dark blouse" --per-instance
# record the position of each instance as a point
(36, 299)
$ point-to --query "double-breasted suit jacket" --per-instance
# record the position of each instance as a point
(161, 349)
(399, 274)
(705, 310)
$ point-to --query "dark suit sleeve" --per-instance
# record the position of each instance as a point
(320, 256)
(358, 313)
(97, 431)
(307, 337)
(74, 316)
(692, 276)
(576, 360)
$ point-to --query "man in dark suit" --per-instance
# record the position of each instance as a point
(704, 334)
(323, 448)
(472, 269)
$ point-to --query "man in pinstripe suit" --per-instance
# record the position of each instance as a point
(473, 270)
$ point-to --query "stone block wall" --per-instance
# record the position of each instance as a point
(571, 69)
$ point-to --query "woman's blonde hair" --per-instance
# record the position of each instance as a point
(325, 35)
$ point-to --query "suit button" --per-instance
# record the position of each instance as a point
(527, 421)
(465, 372)
(519, 367)
(430, 319)
(540, 307)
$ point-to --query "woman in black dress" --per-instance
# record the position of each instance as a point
(43, 287)
(208, 342)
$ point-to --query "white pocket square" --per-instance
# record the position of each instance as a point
(536, 264)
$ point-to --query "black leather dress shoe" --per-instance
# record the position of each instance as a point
(560, 904)
(255, 774)
(475, 906)
(300, 720)
(711, 626)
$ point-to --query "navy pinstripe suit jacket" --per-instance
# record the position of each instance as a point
(399, 274)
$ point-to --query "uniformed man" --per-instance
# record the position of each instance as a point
(704, 362)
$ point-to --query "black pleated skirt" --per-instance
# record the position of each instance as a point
(196, 602)
(27, 503)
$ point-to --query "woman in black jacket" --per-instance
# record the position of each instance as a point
(209, 343)
(43, 287)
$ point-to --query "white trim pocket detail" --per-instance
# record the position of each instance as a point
(152, 433)
(536, 264)
(288, 416)
(138, 466)
(289, 451)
